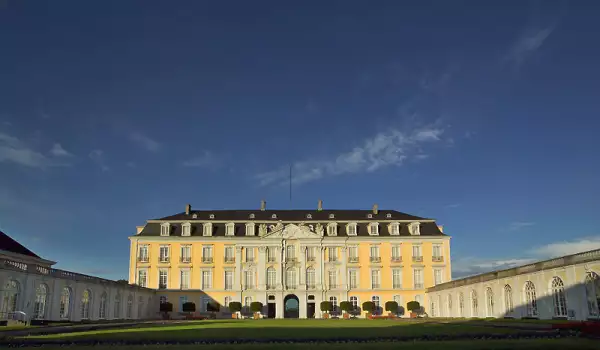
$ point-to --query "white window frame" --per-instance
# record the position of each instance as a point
(375, 278)
(437, 281)
(183, 249)
(229, 257)
(332, 229)
(332, 254)
(164, 272)
(186, 229)
(356, 285)
(418, 282)
(144, 252)
(228, 286)
(249, 276)
(374, 229)
(207, 229)
(164, 257)
(184, 273)
(207, 253)
(351, 229)
(142, 282)
(206, 283)
(253, 256)
(396, 252)
(165, 229)
(414, 228)
(250, 229)
(397, 284)
(332, 279)
(394, 229)
(230, 229)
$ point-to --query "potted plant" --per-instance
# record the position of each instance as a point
(165, 309)
(346, 307)
(326, 307)
(235, 307)
(392, 308)
(414, 307)
(369, 307)
(189, 308)
(256, 308)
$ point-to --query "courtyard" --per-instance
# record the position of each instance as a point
(301, 334)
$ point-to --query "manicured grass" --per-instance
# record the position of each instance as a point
(522, 344)
(274, 329)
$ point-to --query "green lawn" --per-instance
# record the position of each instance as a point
(535, 344)
(274, 329)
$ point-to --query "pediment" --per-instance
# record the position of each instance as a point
(291, 231)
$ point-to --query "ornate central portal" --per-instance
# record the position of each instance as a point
(291, 306)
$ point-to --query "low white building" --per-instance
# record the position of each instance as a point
(29, 285)
(566, 287)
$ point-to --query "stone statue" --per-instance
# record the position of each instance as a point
(319, 230)
(262, 229)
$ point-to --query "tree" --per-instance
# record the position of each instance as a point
(122, 281)
(391, 306)
(413, 306)
(235, 306)
(256, 306)
(368, 306)
(346, 306)
(212, 306)
(326, 306)
(188, 307)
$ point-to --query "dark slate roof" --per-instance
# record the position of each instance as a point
(291, 215)
(218, 229)
(9, 244)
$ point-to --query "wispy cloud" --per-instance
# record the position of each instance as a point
(390, 148)
(97, 156)
(527, 44)
(467, 266)
(144, 141)
(518, 225)
(205, 160)
(15, 151)
(58, 151)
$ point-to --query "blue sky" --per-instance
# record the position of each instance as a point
(482, 116)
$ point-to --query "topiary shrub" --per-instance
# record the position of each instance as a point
(212, 306)
(414, 307)
(391, 306)
(346, 306)
(235, 306)
(256, 306)
(368, 306)
(166, 307)
(188, 307)
(326, 306)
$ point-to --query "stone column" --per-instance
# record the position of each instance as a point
(262, 251)
(302, 304)
(320, 270)
(237, 275)
(344, 272)
(279, 307)
(303, 250)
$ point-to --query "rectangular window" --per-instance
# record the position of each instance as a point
(310, 278)
(351, 229)
(249, 254)
(310, 254)
(142, 278)
(333, 254)
(290, 253)
(250, 230)
(418, 278)
(206, 279)
(229, 229)
(186, 229)
(164, 229)
(332, 230)
(417, 256)
(397, 278)
(437, 276)
(396, 253)
(333, 279)
(143, 253)
(229, 254)
(437, 253)
(353, 254)
(395, 229)
(228, 280)
(353, 278)
(164, 253)
(185, 279)
(186, 253)
(207, 254)
(249, 279)
(375, 254)
(163, 279)
(207, 230)
(375, 279)
(272, 254)
(374, 229)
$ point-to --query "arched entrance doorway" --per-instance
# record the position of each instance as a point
(291, 306)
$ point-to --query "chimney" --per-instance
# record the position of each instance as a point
(320, 206)
(375, 209)
(263, 205)
(188, 209)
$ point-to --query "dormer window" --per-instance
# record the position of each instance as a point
(388, 216)
(332, 229)
(230, 229)
(186, 229)
(274, 216)
(165, 229)
(211, 216)
(369, 216)
(249, 229)
(207, 229)
(374, 229)
(331, 216)
(414, 228)
(194, 216)
(351, 229)
(251, 216)
(308, 216)
(395, 229)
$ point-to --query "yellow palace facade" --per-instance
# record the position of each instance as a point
(290, 260)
